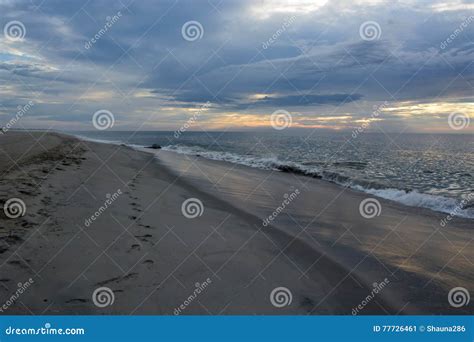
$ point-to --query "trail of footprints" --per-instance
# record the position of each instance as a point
(28, 181)
(138, 209)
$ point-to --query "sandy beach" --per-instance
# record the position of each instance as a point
(103, 215)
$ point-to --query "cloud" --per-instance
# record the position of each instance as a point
(304, 100)
(318, 64)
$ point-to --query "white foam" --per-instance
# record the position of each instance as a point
(270, 163)
(409, 198)
(417, 199)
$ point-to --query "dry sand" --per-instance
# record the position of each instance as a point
(151, 256)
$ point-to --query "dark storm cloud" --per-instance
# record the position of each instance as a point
(318, 59)
(302, 100)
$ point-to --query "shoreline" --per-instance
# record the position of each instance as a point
(392, 193)
(151, 255)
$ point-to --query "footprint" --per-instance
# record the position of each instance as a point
(117, 279)
(18, 263)
(144, 237)
(135, 247)
(11, 239)
(26, 224)
(76, 300)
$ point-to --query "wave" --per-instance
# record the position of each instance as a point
(407, 197)
(110, 142)
(101, 141)
(414, 198)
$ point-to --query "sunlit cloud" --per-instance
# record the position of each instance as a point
(265, 9)
(255, 97)
(298, 120)
(410, 109)
(99, 95)
(455, 5)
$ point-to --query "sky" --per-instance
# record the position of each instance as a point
(396, 66)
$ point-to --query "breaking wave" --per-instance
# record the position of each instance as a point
(407, 197)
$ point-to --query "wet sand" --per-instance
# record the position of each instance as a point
(154, 258)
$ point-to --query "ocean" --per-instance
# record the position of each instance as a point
(434, 171)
